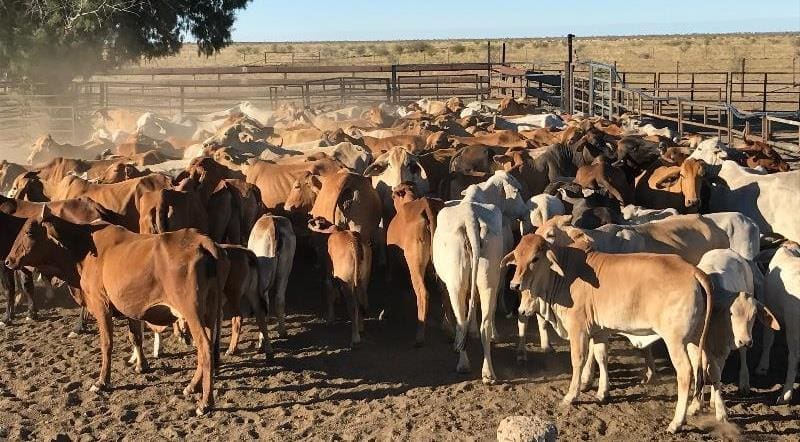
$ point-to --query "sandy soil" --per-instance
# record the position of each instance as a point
(317, 388)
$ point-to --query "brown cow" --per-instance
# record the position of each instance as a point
(760, 154)
(120, 172)
(28, 187)
(97, 260)
(602, 175)
(121, 198)
(347, 265)
(409, 237)
(349, 201)
(592, 295)
(45, 149)
(275, 181)
(244, 284)
(377, 146)
(500, 138)
(138, 143)
(663, 186)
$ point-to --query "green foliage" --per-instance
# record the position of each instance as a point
(52, 41)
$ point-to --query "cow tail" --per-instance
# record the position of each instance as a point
(161, 219)
(358, 255)
(473, 237)
(702, 278)
(430, 217)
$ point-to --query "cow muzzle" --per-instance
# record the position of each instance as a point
(513, 285)
(11, 263)
(741, 343)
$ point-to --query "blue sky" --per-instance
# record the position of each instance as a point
(281, 20)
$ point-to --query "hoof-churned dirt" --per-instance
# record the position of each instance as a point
(316, 387)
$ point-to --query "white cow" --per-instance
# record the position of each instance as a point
(467, 249)
(769, 200)
(530, 122)
(274, 242)
(731, 323)
(783, 299)
(160, 128)
(544, 207)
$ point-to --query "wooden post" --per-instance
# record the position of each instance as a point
(265, 57)
(503, 63)
(765, 132)
(182, 100)
(591, 91)
(341, 90)
(395, 86)
(764, 102)
(741, 87)
(680, 117)
(677, 71)
(489, 65)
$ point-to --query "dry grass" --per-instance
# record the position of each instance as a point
(647, 53)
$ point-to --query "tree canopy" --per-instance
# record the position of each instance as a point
(52, 41)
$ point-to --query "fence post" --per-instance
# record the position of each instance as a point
(591, 90)
(341, 90)
(765, 129)
(680, 117)
(182, 100)
(764, 102)
(394, 86)
(741, 88)
(489, 65)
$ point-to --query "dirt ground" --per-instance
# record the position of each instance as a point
(317, 388)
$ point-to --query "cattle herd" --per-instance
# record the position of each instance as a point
(594, 227)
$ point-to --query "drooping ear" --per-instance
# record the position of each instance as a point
(508, 260)
(503, 159)
(703, 168)
(668, 180)
(563, 220)
(316, 184)
(376, 168)
(554, 265)
(766, 317)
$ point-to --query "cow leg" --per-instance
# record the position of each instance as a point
(135, 338)
(26, 280)
(8, 284)
(156, 344)
(544, 335)
(105, 329)
(766, 346)
(697, 403)
(715, 375)
(522, 329)
(683, 370)
(281, 281)
(600, 350)
(330, 292)
(417, 273)
(488, 306)
(587, 373)
(236, 328)
(200, 336)
(793, 345)
(458, 302)
(578, 346)
(650, 365)
(744, 372)
(353, 308)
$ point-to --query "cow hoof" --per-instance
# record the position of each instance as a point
(488, 380)
(144, 368)
(762, 371)
(744, 390)
(201, 410)
(784, 398)
(674, 427)
(4, 323)
(586, 387)
(97, 388)
(602, 398)
(548, 349)
(355, 345)
(72, 334)
(693, 408)
(231, 352)
(567, 402)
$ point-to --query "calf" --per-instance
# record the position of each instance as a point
(96, 259)
(592, 295)
(348, 268)
(409, 235)
(731, 323)
(273, 241)
(783, 298)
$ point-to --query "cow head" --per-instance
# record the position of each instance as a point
(303, 193)
(42, 149)
(744, 309)
(535, 262)
(558, 230)
(712, 151)
(687, 179)
(394, 167)
(635, 152)
(28, 187)
(208, 174)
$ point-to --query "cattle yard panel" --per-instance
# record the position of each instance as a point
(714, 102)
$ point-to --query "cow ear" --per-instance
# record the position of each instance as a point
(502, 159)
(508, 260)
(554, 265)
(766, 317)
(376, 168)
(316, 184)
(667, 180)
